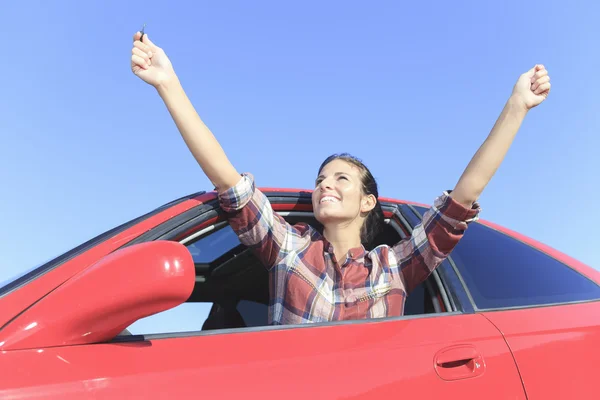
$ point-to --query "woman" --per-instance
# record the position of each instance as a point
(331, 276)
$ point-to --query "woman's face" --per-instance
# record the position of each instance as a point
(338, 196)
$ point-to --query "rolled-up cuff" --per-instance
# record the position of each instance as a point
(453, 210)
(236, 197)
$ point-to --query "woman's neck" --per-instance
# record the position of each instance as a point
(342, 238)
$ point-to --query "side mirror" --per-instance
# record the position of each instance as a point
(99, 302)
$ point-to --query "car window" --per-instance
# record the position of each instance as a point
(501, 271)
(415, 302)
(186, 317)
(253, 313)
(232, 291)
(214, 245)
(192, 316)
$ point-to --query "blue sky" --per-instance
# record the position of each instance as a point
(411, 88)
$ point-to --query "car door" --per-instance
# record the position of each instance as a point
(453, 354)
(548, 311)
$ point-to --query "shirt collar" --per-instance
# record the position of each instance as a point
(354, 253)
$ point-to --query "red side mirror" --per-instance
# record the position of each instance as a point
(102, 300)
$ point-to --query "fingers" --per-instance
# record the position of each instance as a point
(143, 47)
(148, 42)
(544, 87)
(139, 61)
(143, 55)
(539, 81)
(540, 71)
(141, 52)
(145, 40)
(533, 71)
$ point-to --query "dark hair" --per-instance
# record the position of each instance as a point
(374, 222)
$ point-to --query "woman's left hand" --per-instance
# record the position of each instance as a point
(532, 87)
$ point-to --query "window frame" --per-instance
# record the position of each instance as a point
(201, 224)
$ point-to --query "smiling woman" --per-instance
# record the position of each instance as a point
(348, 172)
(336, 274)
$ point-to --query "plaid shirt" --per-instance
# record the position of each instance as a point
(308, 284)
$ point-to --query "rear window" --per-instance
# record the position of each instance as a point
(501, 271)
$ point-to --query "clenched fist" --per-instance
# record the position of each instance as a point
(532, 87)
(149, 62)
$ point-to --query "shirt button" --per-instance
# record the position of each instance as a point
(350, 299)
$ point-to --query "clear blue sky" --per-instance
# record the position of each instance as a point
(412, 88)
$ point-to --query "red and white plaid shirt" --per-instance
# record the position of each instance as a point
(308, 284)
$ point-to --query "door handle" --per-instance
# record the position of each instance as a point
(459, 362)
(456, 354)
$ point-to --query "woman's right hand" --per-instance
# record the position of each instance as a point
(149, 62)
(152, 65)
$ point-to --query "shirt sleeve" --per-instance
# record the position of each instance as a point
(252, 218)
(440, 230)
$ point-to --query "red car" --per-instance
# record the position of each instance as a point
(504, 317)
